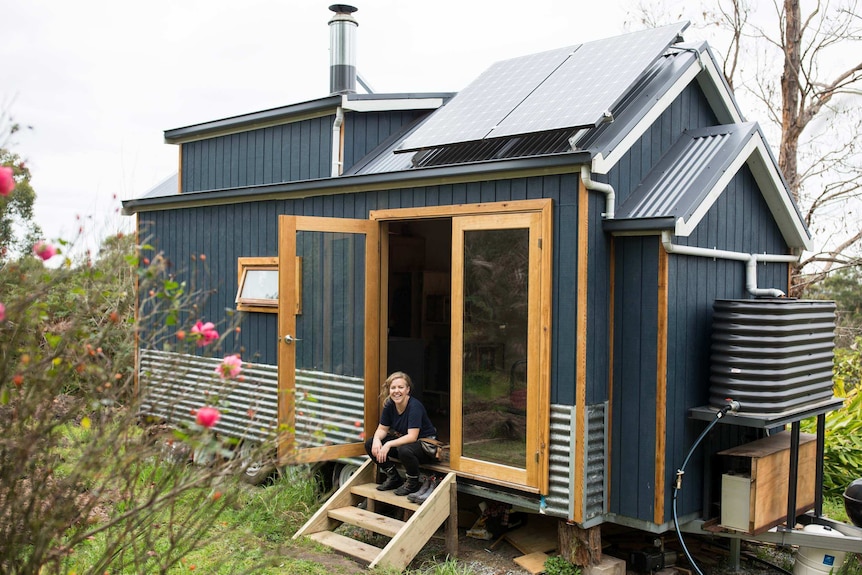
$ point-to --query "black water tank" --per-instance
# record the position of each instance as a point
(773, 356)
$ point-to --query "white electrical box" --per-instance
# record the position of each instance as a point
(735, 502)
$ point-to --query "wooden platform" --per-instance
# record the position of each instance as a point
(407, 537)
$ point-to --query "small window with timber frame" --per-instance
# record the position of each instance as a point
(258, 284)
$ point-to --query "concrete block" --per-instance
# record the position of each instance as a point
(607, 566)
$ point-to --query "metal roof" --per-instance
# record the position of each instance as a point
(696, 170)
(310, 108)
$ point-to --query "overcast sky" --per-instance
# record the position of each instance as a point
(100, 80)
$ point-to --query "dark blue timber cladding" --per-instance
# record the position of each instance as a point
(634, 389)
(225, 233)
(739, 221)
(365, 131)
(690, 110)
(285, 153)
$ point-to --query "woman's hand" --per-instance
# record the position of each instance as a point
(382, 453)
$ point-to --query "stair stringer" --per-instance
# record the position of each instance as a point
(321, 521)
(407, 543)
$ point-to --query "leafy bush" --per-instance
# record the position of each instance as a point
(75, 464)
(557, 565)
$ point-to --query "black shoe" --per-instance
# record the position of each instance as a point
(420, 499)
(393, 480)
(412, 485)
(422, 489)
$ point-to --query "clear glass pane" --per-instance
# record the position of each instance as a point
(330, 353)
(496, 274)
(260, 284)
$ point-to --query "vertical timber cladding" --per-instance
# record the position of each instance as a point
(635, 366)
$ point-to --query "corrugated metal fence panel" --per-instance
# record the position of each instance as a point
(175, 385)
(595, 482)
(560, 497)
(561, 466)
(329, 408)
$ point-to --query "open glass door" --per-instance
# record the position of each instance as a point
(328, 323)
(496, 334)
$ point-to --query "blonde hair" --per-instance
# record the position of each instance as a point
(384, 391)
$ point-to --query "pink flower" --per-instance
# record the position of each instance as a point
(7, 182)
(44, 250)
(207, 416)
(2, 312)
(204, 333)
(230, 367)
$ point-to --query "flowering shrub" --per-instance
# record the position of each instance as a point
(230, 367)
(7, 181)
(204, 333)
(207, 416)
(77, 468)
(44, 250)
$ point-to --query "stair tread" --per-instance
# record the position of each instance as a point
(357, 549)
(367, 520)
(369, 490)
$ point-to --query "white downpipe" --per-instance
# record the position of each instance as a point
(749, 259)
(606, 189)
(336, 142)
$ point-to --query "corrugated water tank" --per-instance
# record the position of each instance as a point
(773, 356)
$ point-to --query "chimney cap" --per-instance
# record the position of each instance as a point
(343, 8)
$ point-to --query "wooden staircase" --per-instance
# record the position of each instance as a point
(407, 537)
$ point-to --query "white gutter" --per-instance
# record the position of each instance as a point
(606, 189)
(336, 142)
(749, 259)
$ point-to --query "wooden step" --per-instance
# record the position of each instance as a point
(367, 520)
(356, 549)
(369, 490)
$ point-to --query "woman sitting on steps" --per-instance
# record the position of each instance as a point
(402, 423)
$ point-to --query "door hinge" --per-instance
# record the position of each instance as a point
(540, 243)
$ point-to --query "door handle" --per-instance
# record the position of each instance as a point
(289, 339)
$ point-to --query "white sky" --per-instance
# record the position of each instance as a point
(100, 80)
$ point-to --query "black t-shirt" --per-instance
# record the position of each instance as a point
(413, 417)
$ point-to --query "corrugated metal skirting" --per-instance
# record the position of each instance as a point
(329, 407)
(560, 501)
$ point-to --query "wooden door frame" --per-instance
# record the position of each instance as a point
(540, 482)
(288, 225)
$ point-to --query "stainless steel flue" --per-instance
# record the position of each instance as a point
(342, 50)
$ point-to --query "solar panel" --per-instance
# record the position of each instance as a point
(487, 100)
(566, 88)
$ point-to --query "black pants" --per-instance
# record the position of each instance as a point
(410, 455)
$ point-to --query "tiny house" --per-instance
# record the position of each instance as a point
(542, 252)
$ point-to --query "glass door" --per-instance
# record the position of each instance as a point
(496, 335)
(328, 322)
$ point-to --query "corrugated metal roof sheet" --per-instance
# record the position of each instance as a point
(680, 182)
(170, 187)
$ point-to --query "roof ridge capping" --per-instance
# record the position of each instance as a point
(305, 110)
(679, 191)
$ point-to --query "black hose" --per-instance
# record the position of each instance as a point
(677, 485)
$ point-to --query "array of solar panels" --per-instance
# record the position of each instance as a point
(567, 88)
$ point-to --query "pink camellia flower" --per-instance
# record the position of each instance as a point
(207, 416)
(204, 332)
(44, 250)
(230, 367)
(7, 182)
(2, 312)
